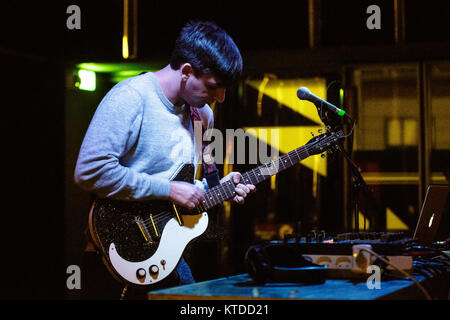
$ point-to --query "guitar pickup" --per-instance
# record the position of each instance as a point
(177, 215)
(153, 226)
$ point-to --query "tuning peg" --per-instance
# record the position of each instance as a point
(312, 133)
(322, 155)
(320, 130)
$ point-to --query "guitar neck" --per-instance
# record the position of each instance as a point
(226, 190)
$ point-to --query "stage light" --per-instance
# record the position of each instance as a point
(125, 52)
(87, 80)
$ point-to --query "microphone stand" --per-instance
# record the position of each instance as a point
(358, 182)
(359, 185)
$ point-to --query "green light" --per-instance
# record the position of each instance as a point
(121, 70)
(341, 96)
(87, 80)
(122, 75)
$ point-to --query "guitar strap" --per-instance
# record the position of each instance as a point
(210, 171)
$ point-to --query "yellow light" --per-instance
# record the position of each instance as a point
(286, 94)
(227, 168)
(289, 138)
(87, 80)
(273, 182)
(393, 222)
(284, 230)
(361, 221)
(394, 132)
(261, 88)
(125, 51)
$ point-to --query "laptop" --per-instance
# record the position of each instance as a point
(430, 214)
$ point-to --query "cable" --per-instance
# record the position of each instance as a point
(427, 295)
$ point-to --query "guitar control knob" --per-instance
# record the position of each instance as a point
(140, 273)
(153, 269)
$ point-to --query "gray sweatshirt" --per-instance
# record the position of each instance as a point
(137, 141)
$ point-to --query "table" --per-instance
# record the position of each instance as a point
(242, 287)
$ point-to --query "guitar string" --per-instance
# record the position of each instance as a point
(162, 217)
(252, 174)
(303, 153)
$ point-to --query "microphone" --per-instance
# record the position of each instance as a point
(303, 93)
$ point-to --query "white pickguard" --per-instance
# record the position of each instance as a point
(173, 241)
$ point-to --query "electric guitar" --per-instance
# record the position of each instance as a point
(141, 242)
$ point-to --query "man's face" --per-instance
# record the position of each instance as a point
(205, 89)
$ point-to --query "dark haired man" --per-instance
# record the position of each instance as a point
(142, 131)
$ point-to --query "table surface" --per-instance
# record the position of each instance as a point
(243, 287)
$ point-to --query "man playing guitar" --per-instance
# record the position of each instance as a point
(142, 131)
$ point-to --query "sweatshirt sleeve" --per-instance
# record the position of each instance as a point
(113, 130)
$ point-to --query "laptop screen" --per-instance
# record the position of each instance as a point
(430, 214)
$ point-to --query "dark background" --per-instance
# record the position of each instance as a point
(36, 49)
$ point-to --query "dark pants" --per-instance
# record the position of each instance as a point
(99, 284)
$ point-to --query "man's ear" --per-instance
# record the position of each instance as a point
(186, 71)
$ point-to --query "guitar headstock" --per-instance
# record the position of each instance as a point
(324, 142)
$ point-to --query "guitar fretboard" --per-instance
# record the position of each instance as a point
(226, 190)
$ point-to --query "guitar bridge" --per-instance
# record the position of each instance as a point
(144, 230)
